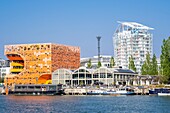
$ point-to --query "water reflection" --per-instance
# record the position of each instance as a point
(83, 104)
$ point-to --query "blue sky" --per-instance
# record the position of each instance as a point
(78, 22)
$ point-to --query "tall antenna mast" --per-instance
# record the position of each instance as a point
(98, 39)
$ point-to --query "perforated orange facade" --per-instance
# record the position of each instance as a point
(34, 63)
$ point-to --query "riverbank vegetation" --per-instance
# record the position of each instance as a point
(165, 61)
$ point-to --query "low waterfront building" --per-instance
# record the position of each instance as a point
(108, 76)
(85, 76)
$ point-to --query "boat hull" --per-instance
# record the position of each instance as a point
(163, 94)
(37, 90)
(159, 90)
(110, 93)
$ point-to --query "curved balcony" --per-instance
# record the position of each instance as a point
(17, 64)
(15, 70)
(14, 57)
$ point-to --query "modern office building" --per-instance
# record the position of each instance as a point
(34, 63)
(132, 39)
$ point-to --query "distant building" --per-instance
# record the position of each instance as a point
(131, 38)
(104, 59)
(4, 69)
(34, 63)
(4, 63)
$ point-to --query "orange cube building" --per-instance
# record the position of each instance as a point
(34, 63)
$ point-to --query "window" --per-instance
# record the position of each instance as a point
(102, 75)
(109, 75)
(81, 70)
(3, 70)
(95, 76)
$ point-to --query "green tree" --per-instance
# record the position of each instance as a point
(112, 62)
(132, 64)
(154, 67)
(89, 63)
(146, 67)
(150, 66)
(99, 64)
(165, 60)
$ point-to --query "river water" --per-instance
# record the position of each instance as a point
(84, 104)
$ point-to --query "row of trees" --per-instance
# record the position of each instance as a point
(132, 64)
(165, 61)
(112, 63)
(150, 66)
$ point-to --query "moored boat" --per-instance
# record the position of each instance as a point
(125, 92)
(42, 89)
(95, 92)
(163, 94)
(159, 90)
(117, 92)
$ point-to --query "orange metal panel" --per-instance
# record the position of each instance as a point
(41, 59)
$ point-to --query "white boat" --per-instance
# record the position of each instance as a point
(95, 92)
(117, 92)
(163, 94)
(125, 92)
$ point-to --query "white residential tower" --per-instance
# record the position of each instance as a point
(131, 38)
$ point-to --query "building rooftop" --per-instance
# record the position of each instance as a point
(123, 71)
(136, 25)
